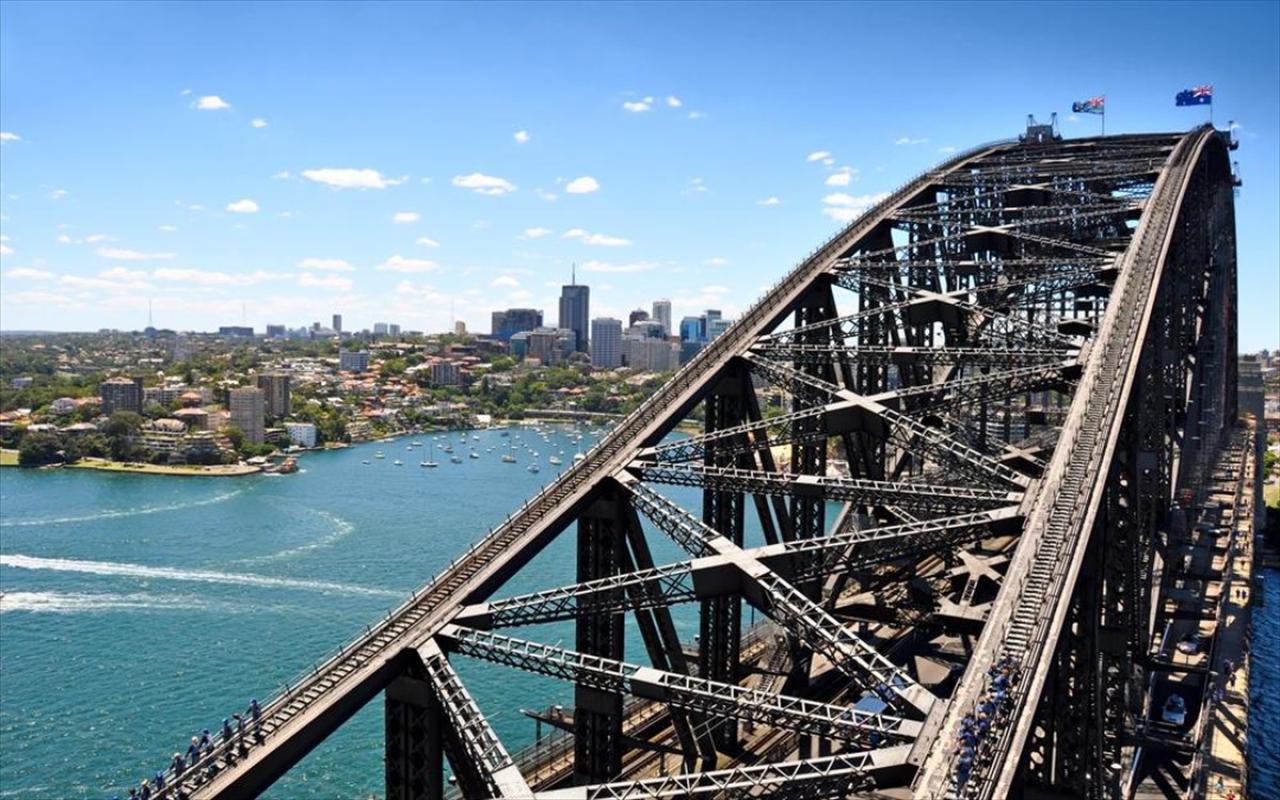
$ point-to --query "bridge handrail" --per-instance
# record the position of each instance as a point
(707, 358)
(1125, 305)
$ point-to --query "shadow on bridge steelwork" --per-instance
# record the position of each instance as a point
(1004, 372)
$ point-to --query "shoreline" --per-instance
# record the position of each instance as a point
(9, 458)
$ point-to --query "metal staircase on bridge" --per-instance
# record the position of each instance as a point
(922, 346)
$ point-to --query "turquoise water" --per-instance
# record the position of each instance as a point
(138, 610)
(1264, 703)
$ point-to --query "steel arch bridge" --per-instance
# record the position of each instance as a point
(1018, 360)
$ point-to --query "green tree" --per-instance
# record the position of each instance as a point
(40, 448)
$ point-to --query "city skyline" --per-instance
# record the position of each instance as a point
(221, 190)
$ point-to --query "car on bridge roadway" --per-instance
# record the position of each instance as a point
(1175, 710)
(1189, 644)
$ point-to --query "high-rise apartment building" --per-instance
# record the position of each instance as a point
(337, 323)
(606, 342)
(121, 394)
(248, 412)
(662, 315)
(275, 388)
(380, 329)
(575, 311)
(393, 329)
(276, 332)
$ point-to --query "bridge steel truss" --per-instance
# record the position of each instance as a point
(999, 376)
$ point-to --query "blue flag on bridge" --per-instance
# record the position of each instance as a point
(1199, 96)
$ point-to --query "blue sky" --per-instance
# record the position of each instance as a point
(666, 148)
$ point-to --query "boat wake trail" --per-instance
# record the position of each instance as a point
(124, 512)
(73, 602)
(341, 530)
(174, 574)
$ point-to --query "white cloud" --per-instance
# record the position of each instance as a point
(184, 93)
(28, 274)
(769, 201)
(696, 185)
(946, 150)
(817, 155)
(103, 284)
(583, 185)
(605, 266)
(58, 194)
(846, 208)
(505, 282)
(697, 115)
(1072, 118)
(601, 240)
(398, 263)
(597, 239)
(123, 274)
(311, 280)
(200, 277)
(245, 206)
(427, 241)
(535, 233)
(909, 141)
(550, 197)
(283, 174)
(258, 122)
(62, 238)
(673, 101)
(718, 261)
(168, 228)
(6, 250)
(484, 184)
(9, 136)
(350, 178)
(211, 102)
(839, 179)
(98, 238)
(520, 136)
(121, 254)
(405, 217)
(638, 106)
(326, 264)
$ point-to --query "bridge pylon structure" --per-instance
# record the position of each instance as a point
(1000, 377)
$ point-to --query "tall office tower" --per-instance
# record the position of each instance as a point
(639, 315)
(606, 342)
(393, 329)
(662, 313)
(248, 411)
(505, 324)
(337, 323)
(275, 387)
(693, 329)
(575, 310)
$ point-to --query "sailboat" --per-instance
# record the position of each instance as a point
(431, 459)
(474, 454)
(509, 457)
(555, 460)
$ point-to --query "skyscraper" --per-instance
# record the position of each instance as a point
(121, 394)
(662, 314)
(575, 310)
(506, 324)
(337, 323)
(606, 342)
(639, 315)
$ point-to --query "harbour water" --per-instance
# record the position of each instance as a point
(138, 610)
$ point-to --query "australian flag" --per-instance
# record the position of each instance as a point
(1094, 105)
(1199, 96)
